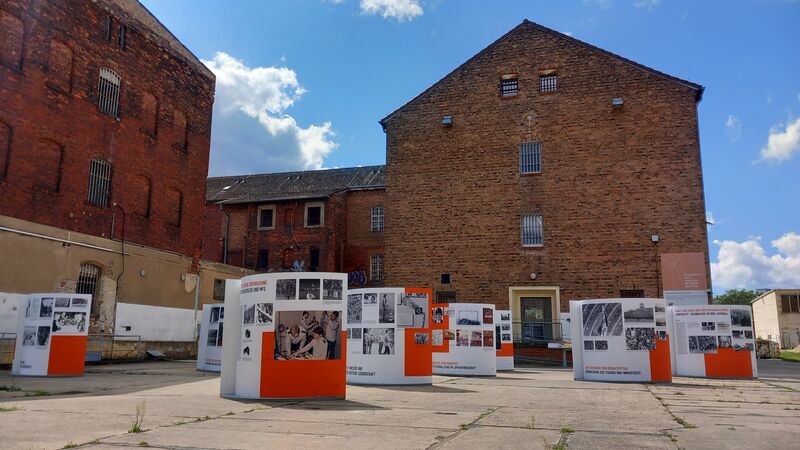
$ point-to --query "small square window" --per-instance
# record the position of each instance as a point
(315, 214)
(445, 278)
(548, 83)
(266, 217)
(509, 87)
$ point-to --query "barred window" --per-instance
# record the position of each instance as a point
(445, 296)
(88, 279)
(532, 230)
(376, 267)
(377, 218)
(631, 293)
(509, 86)
(108, 92)
(530, 157)
(99, 182)
(219, 289)
(548, 83)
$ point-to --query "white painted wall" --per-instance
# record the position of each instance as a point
(155, 323)
(9, 308)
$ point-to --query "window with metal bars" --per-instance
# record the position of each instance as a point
(631, 293)
(88, 279)
(509, 87)
(99, 183)
(532, 230)
(377, 218)
(108, 92)
(219, 289)
(548, 83)
(445, 296)
(121, 40)
(530, 157)
(376, 267)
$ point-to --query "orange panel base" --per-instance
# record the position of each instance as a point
(660, 366)
(301, 379)
(506, 349)
(729, 363)
(67, 355)
(419, 357)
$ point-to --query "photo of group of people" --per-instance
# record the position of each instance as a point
(308, 335)
(474, 338)
(421, 338)
(702, 344)
(308, 289)
(602, 319)
(741, 318)
(331, 289)
(600, 345)
(263, 313)
(286, 289)
(378, 341)
(69, 322)
(640, 338)
(354, 308)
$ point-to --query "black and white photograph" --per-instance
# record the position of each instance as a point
(386, 308)
(708, 326)
(661, 322)
(601, 345)
(437, 337)
(309, 289)
(505, 316)
(506, 337)
(263, 313)
(331, 289)
(286, 289)
(248, 314)
(505, 327)
(488, 315)
(602, 319)
(29, 336)
(748, 334)
(702, 344)
(438, 315)
(640, 339)
(749, 346)
(421, 338)
(462, 338)
(741, 318)
(33, 308)
(80, 302)
(247, 334)
(370, 299)
(62, 302)
(219, 335)
(315, 335)
(476, 339)
(43, 336)
(354, 333)
(588, 345)
(659, 309)
(662, 335)
(378, 341)
(46, 309)
(738, 334)
(724, 342)
(354, 309)
(449, 335)
(214, 316)
(469, 317)
(412, 311)
(723, 326)
(246, 351)
(488, 338)
(212, 338)
(69, 322)
(638, 314)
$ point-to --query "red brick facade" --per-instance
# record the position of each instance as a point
(611, 176)
(51, 127)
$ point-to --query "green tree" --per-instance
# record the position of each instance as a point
(735, 297)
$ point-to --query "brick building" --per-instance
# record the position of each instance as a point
(543, 170)
(321, 220)
(105, 126)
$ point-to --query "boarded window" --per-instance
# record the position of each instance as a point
(149, 114)
(108, 92)
(179, 129)
(174, 211)
(140, 203)
(11, 39)
(99, 183)
(49, 159)
(5, 148)
(59, 73)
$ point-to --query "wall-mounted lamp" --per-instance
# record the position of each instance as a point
(654, 238)
(617, 102)
(447, 121)
(142, 273)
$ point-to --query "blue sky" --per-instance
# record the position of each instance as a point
(303, 83)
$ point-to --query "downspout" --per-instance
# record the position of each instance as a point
(196, 304)
(225, 235)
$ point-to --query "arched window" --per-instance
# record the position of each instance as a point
(140, 203)
(174, 207)
(149, 114)
(49, 158)
(108, 92)
(5, 148)
(59, 72)
(12, 33)
(88, 280)
(179, 127)
(99, 182)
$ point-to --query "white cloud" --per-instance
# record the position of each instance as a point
(646, 4)
(398, 9)
(783, 143)
(251, 130)
(747, 265)
(602, 4)
(733, 128)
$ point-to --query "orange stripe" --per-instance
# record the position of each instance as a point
(419, 357)
(301, 379)
(67, 355)
(729, 363)
(660, 365)
(506, 349)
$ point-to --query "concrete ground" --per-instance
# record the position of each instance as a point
(532, 407)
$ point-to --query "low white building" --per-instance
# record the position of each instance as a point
(776, 316)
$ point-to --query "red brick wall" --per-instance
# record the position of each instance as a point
(49, 102)
(361, 240)
(610, 178)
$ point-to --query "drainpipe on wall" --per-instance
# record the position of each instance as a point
(196, 303)
(225, 235)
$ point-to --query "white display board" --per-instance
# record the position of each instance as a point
(620, 340)
(289, 330)
(713, 341)
(467, 336)
(504, 339)
(388, 332)
(209, 345)
(52, 334)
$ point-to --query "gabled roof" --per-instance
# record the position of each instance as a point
(527, 23)
(310, 184)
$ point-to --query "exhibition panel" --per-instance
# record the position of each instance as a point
(388, 332)
(290, 336)
(463, 339)
(712, 341)
(209, 345)
(620, 340)
(503, 339)
(52, 334)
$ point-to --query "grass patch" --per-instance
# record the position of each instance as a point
(5, 388)
(567, 430)
(8, 409)
(70, 445)
(37, 393)
(144, 444)
(202, 419)
(138, 418)
(790, 356)
(230, 413)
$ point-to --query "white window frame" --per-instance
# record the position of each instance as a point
(108, 87)
(261, 225)
(532, 230)
(530, 158)
(376, 222)
(376, 267)
(321, 214)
